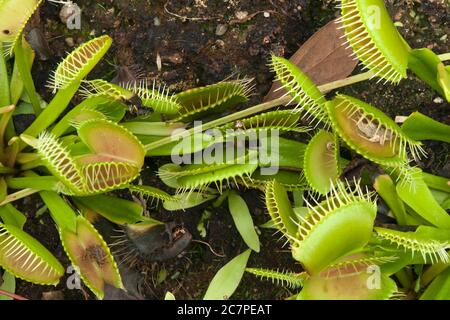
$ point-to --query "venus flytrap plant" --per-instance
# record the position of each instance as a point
(349, 212)
(114, 158)
(67, 79)
(83, 244)
(420, 127)
(14, 17)
(25, 258)
(374, 39)
(302, 90)
(321, 162)
(213, 98)
(336, 265)
(155, 96)
(430, 249)
(421, 200)
(88, 152)
(219, 174)
(371, 133)
(382, 50)
(349, 281)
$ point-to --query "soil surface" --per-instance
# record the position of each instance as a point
(200, 42)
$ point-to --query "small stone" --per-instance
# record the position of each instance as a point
(241, 15)
(175, 58)
(156, 21)
(221, 29)
(68, 11)
(220, 44)
(70, 42)
(266, 14)
(438, 100)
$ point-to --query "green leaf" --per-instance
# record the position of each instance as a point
(188, 145)
(227, 279)
(48, 183)
(8, 285)
(4, 81)
(243, 220)
(444, 80)
(160, 129)
(169, 296)
(424, 63)
(420, 198)
(25, 73)
(16, 83)
(26, 258)
(420, 127)
(386, 189)
(436, 182)
(218, 97)
(12, 216)
(119, 211)
(186, 201)
(61, 212)
(439, 289)
(112, 109)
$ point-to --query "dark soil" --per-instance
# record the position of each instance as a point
(192, 55)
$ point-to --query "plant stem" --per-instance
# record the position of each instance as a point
(18, 195)
(48, 183)
(5, 117)
(256, 109)
(25, 74)
(52, 111)
(5, 100)
(265, 106)
(432, 272)
(444, 56)
(7, 170)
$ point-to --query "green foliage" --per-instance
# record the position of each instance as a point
(227, 279)
(90, 152)
(243, 220)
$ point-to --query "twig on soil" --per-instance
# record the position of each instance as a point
(184, 18)
(11, 295)
(210, 248)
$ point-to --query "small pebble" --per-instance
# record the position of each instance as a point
(266, 14)
(438, 100)
(175, 58)
(221, 29)
(68, 10)
(220, 44)
(156, 22)
(70, 42)
(241, 15)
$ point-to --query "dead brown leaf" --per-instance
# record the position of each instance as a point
(323, 57)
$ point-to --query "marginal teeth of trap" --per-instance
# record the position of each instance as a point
(364, 47)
